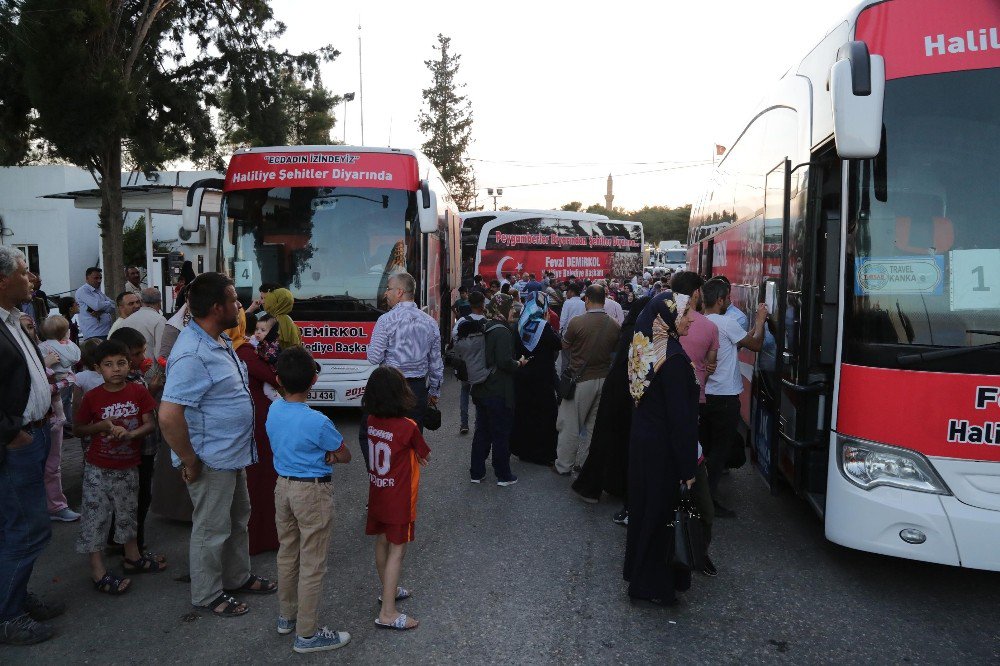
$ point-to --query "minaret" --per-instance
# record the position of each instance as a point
(610, 196)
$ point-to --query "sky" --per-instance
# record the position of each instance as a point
(567, 91)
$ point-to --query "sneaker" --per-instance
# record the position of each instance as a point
(621, 518)
(66, 515)
(709, 569)
(723, 512)
(324, 639)
(22, 630)
(509, 482)
(479, 480)
(40, 610)
(285, 626)
(464, 430)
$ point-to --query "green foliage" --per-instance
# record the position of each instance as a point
(446, 121)
(134, 244)
(105, 83)
(658, 222)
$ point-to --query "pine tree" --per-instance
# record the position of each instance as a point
(446, 121)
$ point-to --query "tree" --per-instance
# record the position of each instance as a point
(123, 81)
(446, 121)
(573, 207)
(134, 244)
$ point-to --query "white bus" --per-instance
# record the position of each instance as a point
(860, 203)
(587, 246)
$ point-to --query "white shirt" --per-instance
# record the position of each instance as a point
(115, 326)
(39, 396)
(150, 323)
(472, 316)
(614, 311)
(737, 315)
(571, 308)
(726, 380)
(410, 341)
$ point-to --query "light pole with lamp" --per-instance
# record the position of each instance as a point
(499, 193)
(348, 97)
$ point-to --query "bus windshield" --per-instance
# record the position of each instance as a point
(319, 242)
(924, 239)
(675, 256)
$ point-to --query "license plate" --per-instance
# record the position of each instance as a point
(325, 396)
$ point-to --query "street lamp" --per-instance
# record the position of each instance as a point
(348, 97)
(499, 193)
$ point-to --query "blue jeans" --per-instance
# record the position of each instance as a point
(25, 527)
(463, 404)
(493, 424)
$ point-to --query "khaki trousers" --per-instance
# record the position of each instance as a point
(220, 546)
(303, 514)
(576, 415)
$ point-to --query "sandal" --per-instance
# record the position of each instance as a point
(162, 559)
(143, 565)
(401, 594)
(233, 608)
(399, 624)
(263, 586)
(112, 584)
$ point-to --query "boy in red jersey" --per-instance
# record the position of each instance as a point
(396, 451)
(117, 416)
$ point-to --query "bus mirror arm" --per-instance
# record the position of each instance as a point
(427, 212)
(857, 90)
(191, 213)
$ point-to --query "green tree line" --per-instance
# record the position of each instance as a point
(658, 222)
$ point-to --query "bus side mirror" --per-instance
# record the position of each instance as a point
(191, 213)
(857, 90)
(427, 212)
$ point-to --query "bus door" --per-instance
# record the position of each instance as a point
(805, 321)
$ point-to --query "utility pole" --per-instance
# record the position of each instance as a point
(361, 85)
(499, 193)
(348, 97)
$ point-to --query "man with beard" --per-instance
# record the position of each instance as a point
(207, 418)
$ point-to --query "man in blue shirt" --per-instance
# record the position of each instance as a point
(95, 307)
(206, 416)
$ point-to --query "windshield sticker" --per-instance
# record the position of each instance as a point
(899, 275)
(243, 274)
(336, 340)
(337, 169)
(975, 279)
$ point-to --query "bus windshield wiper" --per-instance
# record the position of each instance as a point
(912, 359)
(345, 297)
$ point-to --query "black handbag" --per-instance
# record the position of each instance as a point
(689, 534)
(567, 383)
(432, 418)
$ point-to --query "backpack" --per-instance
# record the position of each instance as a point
(470, 351)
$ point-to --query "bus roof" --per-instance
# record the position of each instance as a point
(327, 149)
(521, 213)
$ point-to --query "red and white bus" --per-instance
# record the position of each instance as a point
(860, 203)
(332, 224)
(588, 246)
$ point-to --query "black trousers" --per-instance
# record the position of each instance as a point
(419, 387)
(720, 418)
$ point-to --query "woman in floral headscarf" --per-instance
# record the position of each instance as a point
(663, 446)
(533, 436)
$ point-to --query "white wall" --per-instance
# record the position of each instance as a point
(67, 237)
(52, 224)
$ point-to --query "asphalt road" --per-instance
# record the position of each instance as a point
(529, 574)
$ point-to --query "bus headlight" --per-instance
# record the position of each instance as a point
(869, 465)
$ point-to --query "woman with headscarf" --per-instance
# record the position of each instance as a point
(606, 467)
(279, 303)
(261, 476)
(533, 435)
(184, 281)
(663, 447)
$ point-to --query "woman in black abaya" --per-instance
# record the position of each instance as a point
(606, 468)
(663, 447)
(533, 436)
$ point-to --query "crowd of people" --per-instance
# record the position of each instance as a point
(203, 417)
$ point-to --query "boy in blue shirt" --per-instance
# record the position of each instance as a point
(305, 444)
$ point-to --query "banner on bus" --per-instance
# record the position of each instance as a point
(583, 265)
(335, 339)
(322, 169)
(935, 413)
(919, 37)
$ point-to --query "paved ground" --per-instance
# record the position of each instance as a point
(528, 574)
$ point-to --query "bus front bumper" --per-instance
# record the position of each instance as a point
(956, 533)
(340, 386)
